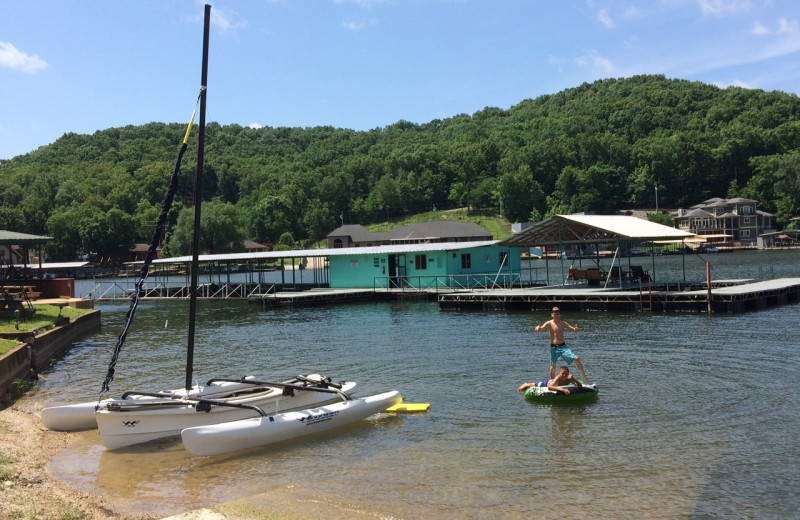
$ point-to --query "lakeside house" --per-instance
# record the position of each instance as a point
(727, 222)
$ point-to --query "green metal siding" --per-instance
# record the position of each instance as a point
(442, 268)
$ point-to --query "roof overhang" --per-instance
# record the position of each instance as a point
(593, 229)
(340, 251)
(12, 238)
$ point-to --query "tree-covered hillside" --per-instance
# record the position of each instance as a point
(598, 147)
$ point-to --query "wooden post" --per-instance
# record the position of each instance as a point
(708, 284)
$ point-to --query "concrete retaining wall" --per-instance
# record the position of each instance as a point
(38, 351)
(16, 364)
(54, 341)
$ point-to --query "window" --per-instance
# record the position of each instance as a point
(337, 243)
(746, 220)
(466, 261)
(503, 258)
(745, 233)
(421, 262)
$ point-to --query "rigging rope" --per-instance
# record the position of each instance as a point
(151, 252)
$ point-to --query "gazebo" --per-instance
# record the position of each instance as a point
(561, 230)
(9, 239)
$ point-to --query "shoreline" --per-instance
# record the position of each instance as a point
(29, 489)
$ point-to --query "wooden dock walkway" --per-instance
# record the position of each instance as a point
(728, 296)
(315, 297)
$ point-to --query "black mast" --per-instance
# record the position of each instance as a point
(198, 196)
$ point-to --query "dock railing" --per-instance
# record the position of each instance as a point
(123, 290)
(435, 283)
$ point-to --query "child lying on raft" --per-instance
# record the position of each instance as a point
(557, 383)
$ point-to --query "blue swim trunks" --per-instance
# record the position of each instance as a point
(561, 352)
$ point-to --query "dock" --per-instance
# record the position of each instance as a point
(314, 297)
(725, 296)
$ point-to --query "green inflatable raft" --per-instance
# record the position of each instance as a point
(577, 394)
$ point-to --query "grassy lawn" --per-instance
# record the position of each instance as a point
(45, 315)
(497, 226)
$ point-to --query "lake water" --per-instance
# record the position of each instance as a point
(697, 415)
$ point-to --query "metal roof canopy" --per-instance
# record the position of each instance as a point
(296, 253)
(596, 229)
(12, 238)
(561, 229)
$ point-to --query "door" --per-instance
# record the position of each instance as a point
(397, 270)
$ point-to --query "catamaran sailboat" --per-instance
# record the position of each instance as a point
(137, 417)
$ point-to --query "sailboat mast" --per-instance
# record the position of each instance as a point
(198, 196)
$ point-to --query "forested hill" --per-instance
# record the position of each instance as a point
(598, 147)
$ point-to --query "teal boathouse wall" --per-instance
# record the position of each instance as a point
(423, 269)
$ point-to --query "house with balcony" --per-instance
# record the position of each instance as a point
(726, 222)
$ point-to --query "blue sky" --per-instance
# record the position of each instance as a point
(86, 65)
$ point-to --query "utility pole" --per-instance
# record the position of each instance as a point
(656, 196)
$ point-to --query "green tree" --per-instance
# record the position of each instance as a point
(109, 236)
(661, 218)
(220, 230)
(318, 221)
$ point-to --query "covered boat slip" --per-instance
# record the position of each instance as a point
(584, 235)
(620, 286)
(342, 272)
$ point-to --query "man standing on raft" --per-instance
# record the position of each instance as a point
(558, 347)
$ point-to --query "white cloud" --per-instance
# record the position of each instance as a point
(734, 83)
(362, 3)
(254, 126)
(598, 63)
(222, 19)
(12, 58)
(225, 20)
(556, 62)
(350, 25)
(723, 7)
(604, 18)
(784, 27)
(632, 12)
(759, 29)
(787, 26)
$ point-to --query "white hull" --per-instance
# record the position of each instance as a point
(260, 431)
(70, 417)
(81, 416)
(135, 424)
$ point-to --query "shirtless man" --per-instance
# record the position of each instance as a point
(558, 347)
(557, 383)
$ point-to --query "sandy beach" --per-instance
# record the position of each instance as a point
(29, 490)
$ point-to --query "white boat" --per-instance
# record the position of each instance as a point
(133, 421)
(268, 429)
(143, 416)
(135, 418)
(81, 416)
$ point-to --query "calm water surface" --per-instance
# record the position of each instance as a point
(697, 415)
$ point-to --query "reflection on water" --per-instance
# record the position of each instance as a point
(694, 419)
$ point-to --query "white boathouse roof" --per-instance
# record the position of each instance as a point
(593, 228)
(342, 251)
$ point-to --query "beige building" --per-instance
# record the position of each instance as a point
(733, 221)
